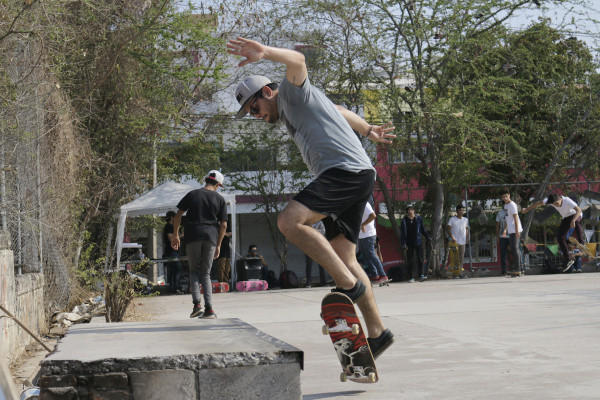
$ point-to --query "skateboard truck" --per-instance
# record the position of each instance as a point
(341, 326)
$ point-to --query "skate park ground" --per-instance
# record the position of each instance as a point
(533, 337)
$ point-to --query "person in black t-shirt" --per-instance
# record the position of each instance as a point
(173, 267)
(205, 227)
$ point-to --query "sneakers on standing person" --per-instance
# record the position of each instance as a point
(422, 278)
(208, 313)
(196, 311)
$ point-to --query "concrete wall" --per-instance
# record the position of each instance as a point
(23, 296)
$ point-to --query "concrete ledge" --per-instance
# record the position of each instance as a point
(195, 359)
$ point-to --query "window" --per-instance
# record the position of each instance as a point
(404, 156)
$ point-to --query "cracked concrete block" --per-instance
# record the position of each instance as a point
(174, 384)
(273, 382)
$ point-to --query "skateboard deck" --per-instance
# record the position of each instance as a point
(581, 248)
(218, 287)
(453, 260)
(251, 286)
(348, 338)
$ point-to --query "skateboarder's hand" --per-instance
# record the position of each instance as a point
(251, 49)
(380, 133)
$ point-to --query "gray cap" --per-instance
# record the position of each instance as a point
(247, 89)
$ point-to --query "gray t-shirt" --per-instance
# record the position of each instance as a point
(321, 132)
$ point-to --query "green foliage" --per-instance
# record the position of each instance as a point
(266, 163)
(119, 290)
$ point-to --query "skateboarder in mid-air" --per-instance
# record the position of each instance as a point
(571, 219)
(344, 176)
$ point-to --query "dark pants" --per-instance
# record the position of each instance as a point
(309, 264)
(173, 271)
(561, 236)
(516, 252)
(504, 243)
(416, 268)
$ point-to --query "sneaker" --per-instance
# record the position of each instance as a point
(380, 344)
(568, 265)
(355, 293)
(411, 280)
(196, 311)
(422, 278)
(382, 279)
(374, 279)
(209, 313)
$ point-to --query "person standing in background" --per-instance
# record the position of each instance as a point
(411, 230)
(458, 229)
(502, 238)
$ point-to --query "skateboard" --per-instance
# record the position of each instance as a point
(251, 286)
(385, 283)
(453, 260)
(218, 287)
(582, 248)
(348, 338)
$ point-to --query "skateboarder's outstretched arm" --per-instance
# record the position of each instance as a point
(254, 51)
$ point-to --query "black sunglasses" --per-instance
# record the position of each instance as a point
(253, 108)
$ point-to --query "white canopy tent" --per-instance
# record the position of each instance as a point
(164, 198)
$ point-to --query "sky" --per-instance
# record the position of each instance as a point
(559, 14)
(586, 26)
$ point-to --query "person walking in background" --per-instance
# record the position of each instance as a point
(309, 261)
(169, 253)
(502, 238)
(571, 219)
(224, 260)
(411, 230)
(344, 176)
(205, 227)
(458, 229)
(513, 228)
(366, 246)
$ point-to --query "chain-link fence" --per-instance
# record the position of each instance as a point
(38, 167)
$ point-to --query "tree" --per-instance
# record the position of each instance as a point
(539, 107)
(413, 54)
(265, 163)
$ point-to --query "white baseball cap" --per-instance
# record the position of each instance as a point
(247, 89)
(215, 176)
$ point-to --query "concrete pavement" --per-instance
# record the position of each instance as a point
(534, 337)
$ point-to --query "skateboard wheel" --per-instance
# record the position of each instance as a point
(343, 377)
(355, 329)
(372, 377)
(325, 330)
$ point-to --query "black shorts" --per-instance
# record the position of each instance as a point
(341, 196)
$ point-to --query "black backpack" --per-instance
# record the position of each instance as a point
(272, 279)
(288, 280)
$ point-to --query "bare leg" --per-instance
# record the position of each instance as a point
(368, 307)
(294, 222)
(337, 257)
